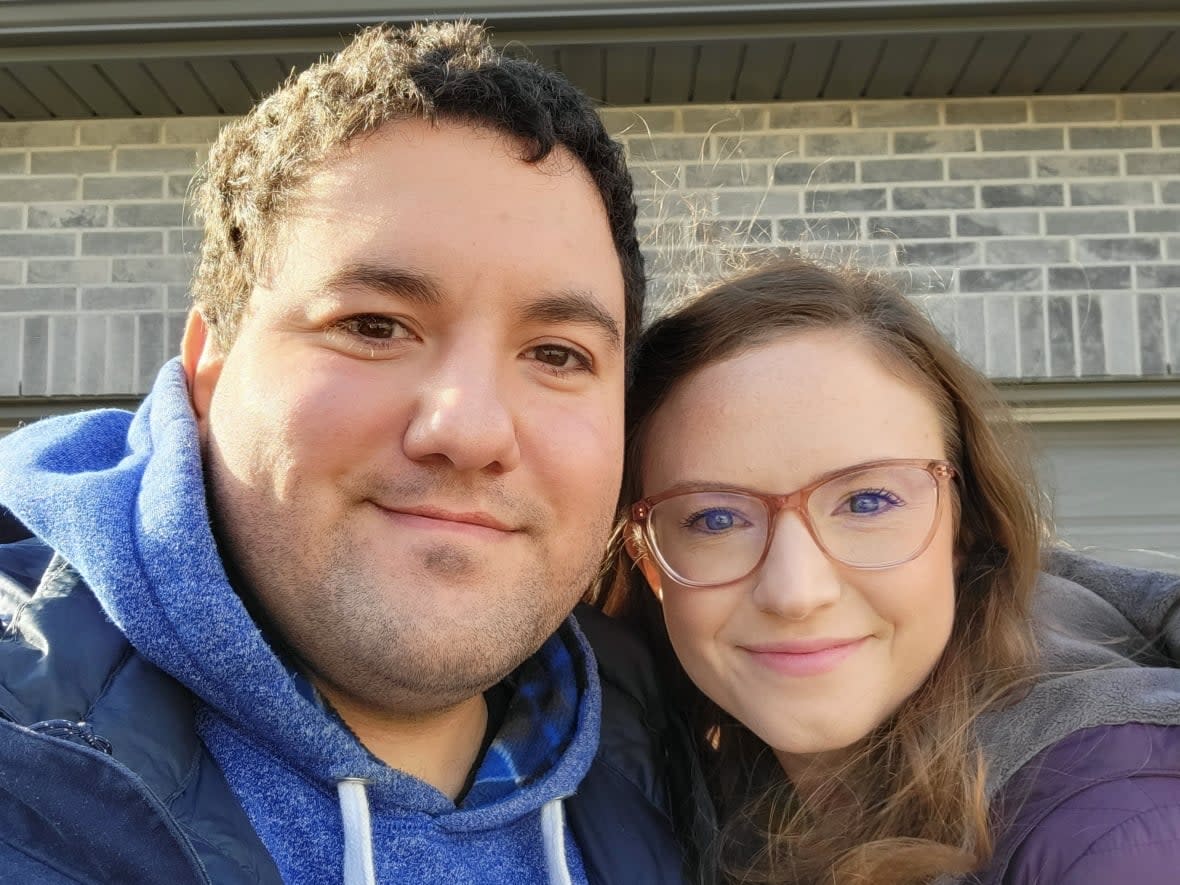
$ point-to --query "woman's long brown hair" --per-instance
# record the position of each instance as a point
(907, 803)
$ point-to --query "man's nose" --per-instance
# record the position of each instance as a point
(797, 577)
(463, 417)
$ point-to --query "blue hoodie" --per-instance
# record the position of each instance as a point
(121, 497)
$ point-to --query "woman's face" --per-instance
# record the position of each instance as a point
(808, 653)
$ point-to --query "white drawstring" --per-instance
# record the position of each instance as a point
(358, 833)
(553, 833)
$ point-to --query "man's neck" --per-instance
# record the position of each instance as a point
(439, 748)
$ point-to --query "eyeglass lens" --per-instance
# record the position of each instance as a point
(871, 518)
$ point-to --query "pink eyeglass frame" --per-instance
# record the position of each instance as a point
(940, 471)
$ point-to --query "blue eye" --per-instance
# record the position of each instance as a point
(714, 521)
(872, 503)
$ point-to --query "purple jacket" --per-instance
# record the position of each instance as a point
(1084, 771)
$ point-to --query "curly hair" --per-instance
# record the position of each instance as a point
(436, 71)
(908, 804)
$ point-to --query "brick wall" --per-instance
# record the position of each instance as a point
(1043, 235)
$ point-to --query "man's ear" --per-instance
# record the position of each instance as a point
(647, 565)
(202, 360)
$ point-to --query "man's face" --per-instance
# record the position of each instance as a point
(414, 445)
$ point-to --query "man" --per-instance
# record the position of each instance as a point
(306, 616)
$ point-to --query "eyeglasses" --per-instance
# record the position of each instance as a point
(872, 516)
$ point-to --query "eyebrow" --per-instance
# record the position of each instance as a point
(563, 306)
(688, 485)
(573, 306)
(414, 286)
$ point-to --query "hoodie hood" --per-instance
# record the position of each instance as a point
(122, 498)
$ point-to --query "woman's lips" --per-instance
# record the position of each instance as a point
(804, 657)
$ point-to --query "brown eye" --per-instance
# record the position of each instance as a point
(377, 327)
(552, 355)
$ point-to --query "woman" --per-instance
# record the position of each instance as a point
(838, 539)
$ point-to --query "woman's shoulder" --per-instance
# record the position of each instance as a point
(1103, 805)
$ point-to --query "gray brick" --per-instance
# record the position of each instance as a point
(1089, 138)
(1119, 249)
(11, 217)
(12, 272)
(37, 190)
(34, 380)
(178, 186)
(972, 325)
(1151, 107)
(1030, 322)
(1170, 191)
(918, 281)
(1173, 248)
(151, 270)
(1074, 110)
(982, 111)
(92, 353)
(897, 113)
(63, 355)
(1158, 276)
(151, 342)
(154, 159)
(941, 311)
(72, 162)
(1111, 193)
(1170, 136)
(68, 270)
(149, 215)
(184, 241)
(997, 224)
(36, 134)
(624, 121)
(122, 243)
(1152, 346)
(67, 215)
(1003, 354)
(935, 197)
(1119, 320)
(746, 231)
(10, 343)
(1039, 251)
(763, 202)
(645, 178)
(853, 200)
(177, 297)
(1073, 221)
(771, 147)
(173, 331)
(1009, 196)
(119, 132)
(910, 227)
(1021, 279)
(193, 130)
(121, 187)
(810, 116)
(840, 227)
(977, 168)
(641, 148)
(13, 163)
(1092, 278)
(43, 299)
(811, 173)
(1172, 319)
(901, 170)
(1157, 221)
(841, 253)
(1078, 166)
(21, 244)
(1091, 343)
(945, 254)
(1062, 355)
(709, 175)
(108, 298)
(1154, 163)
(1023, 139)
(120, 362)
(935, 141)
(846, 144)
